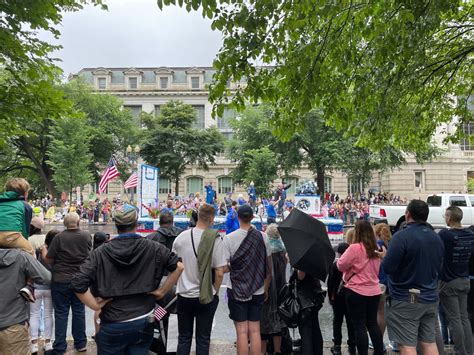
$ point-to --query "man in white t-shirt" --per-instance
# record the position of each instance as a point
(248, 254)
(192, 303)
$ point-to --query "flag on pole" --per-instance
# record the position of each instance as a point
(109, 174)
(131, 182)
(159, 313)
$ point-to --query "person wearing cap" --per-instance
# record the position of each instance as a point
(125, 275)
(248, 255)
(231, 221)
(68, 250)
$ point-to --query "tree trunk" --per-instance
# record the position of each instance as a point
(320, 181)
(176, 186)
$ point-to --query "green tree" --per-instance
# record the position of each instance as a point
(319, 147)
(385, 72)
(110, 130)
(261, 167)
(171, 143)
(69, 152)
(28, 75)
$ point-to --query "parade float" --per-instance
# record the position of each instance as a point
(306, 200)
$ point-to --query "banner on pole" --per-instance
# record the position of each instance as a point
(148, 189)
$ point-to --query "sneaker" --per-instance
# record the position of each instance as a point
(394, 347)
(48, 346)
(28, 293)
(336, 350)
(34, 348)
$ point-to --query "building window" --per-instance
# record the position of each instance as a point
(133, 83)
(293, 181)
(164, 186)
(419, 180)
(102, 83)
(164, 82)
(467, 143)
(354, 185)
(328, 184)
(199, 116)
(225, 185)
(195, 82)
(224, 121)
(227, 135)
(193, 185)
(134, 109)
(157, 110)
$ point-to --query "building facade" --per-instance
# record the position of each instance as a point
(147, 89)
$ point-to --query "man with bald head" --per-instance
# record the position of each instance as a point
(67, 253)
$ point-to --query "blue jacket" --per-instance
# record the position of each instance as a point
(414, 260)
(231, 222)
(210, 194)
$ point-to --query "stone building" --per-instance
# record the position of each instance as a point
(146, 89)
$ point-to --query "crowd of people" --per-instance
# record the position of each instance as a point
(377, 282)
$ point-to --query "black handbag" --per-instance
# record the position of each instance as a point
(288, 304)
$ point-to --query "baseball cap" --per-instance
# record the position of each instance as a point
(245, 211)
(126, 215)
(37, 222)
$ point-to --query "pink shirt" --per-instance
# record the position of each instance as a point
(366, 271)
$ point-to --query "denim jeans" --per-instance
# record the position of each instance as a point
(63, 300)
(125, 338)
(188, 310)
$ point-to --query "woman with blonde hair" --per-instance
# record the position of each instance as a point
(360, 266)
(350, 235)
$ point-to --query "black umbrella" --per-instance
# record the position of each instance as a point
(307, 243)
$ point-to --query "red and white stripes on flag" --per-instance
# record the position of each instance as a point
(159, 313)
(131, 182)
(109, 174)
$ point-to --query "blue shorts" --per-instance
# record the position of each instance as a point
(245, 311)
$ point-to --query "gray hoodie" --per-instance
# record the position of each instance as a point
(15, 267)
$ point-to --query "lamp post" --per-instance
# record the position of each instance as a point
(132, 155)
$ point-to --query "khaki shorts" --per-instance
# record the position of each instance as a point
(15, 240)
(15, 340)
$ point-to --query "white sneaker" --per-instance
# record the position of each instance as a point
(48, 346)
(34, 348)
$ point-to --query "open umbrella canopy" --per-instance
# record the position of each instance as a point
(307, 243)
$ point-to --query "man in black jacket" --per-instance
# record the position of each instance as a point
(125, 274)
(167, 232)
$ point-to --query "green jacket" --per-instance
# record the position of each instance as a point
(15, 213)
(204, 260)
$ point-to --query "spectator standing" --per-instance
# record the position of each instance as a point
(68, 250)
(248, 253)
(337, 299)
(15, 267)
(272, 325)
(202, 252)
(43, 300)
(125, 274)
(167, 232)
(454, 282)
(252, 195)
(413, 264)
(360, 266)
(271, 211)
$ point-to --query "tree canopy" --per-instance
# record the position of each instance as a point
(29, 76)
(319, 147)
(385, 72)
(171, 143)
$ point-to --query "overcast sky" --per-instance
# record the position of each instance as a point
(135, 33)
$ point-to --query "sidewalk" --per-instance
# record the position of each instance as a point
(221, 348)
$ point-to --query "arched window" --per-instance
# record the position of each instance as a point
(194, 184)
(225, 184)
(165, 186)
(328, 184)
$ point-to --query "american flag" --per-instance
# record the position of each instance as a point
(159, 313)
(109, 174)
(131, 182)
